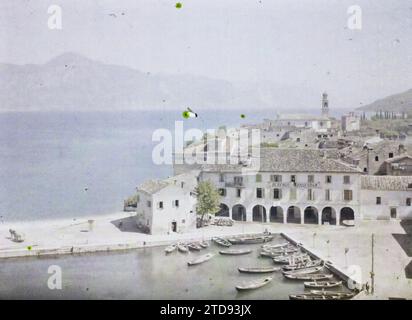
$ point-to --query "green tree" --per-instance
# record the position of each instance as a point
(208, 199)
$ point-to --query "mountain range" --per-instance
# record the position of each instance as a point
(401, 102)
(73, 82)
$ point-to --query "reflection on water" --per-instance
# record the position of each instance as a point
(143, 274)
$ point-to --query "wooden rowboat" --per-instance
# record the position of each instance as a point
(234, 252)
(322, 284)
(194, 247)
(254, 284)
(291, 258)
(303, 271)
(276, 246)
(309, 277)
(251, 240)
(310, 296)
(222, 242)
(171, 248)
(204, 244)
(182, 248)
(342, 295)
(303, 265)
(258, 270)
(201, 259)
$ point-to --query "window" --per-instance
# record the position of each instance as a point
(182, 184)
(378, 200)
(376, 158)
(408, 202)
(277, 193)
(327, 195)
(238, 180)
(409, 185)
(390, 154)
(221, 178)
(365, 169)
(175, 203)
(149, 204)
(258, 178)
(328, 179)
(393, 213)
(347, 195)
(160, 205)
(311, 178)
(346, 179)
(183, 221)
(238, 193)
(276, 178)
(259, 193)
(297, 139)
(222, 192)
(293, 178)
(292, 194)
(311, 195)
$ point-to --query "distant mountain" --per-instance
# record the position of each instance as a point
(401, 102)
(73, 82)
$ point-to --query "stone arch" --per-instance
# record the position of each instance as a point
(239, 212)
(311, 215)
(347, 213)
(276, 214)
(293, 215)
(224, 211)
(259, 213)
(328, 215)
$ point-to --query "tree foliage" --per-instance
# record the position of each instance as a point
(208, 199)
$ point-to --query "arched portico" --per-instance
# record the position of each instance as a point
(239, 213)
(328, 215)
(276, 214)
(347, 214)
(310, 215)
(224, 211)
(293, 215)
(259, 213)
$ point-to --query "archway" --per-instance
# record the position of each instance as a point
(239, 213)
(310, 215)
(276, 214)
(347, 213)
(328, 215)
(223, 212)
(293, 215)
(259, 213)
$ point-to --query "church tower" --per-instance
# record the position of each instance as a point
(325, 105)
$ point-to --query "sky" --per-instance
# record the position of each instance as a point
(296, 43)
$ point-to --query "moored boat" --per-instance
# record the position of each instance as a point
(222, 242)
(303, 271)
(276, 246)
(201, 259)
(194, 247)
(251, 239)
(182, 248)
(333, 293)
(254, 284)
(171, 248)
(204, 244)
(322, 284)
(291, 259)
(348, 223)
(303, 265)
(234, 252)
(309, 277)
(259, 270)
(311, 296)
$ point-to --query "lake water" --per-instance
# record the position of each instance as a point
(143, 274)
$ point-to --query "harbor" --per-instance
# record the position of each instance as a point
(132, 257)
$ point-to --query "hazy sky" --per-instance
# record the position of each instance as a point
(300, 43)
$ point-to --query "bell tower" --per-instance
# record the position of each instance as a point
(325, 105)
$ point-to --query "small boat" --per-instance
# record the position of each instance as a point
(182, 248)
(251, 240)
(194, 247)
(259, 270)
(291, 258)
(342, 295)
(222, 242)
(235, 252)
(201, 259)
(282, 251)
(309, 277)
(311, 296)
(254, 284)
(204, 244)
(322, 284)
(303, 271)
(303, 265)
(276, 246)
(348, 223)
(171, 248)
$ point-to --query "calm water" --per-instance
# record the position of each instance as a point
(142, 274)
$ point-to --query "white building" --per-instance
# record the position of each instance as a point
(350, 122)
(168, 205)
